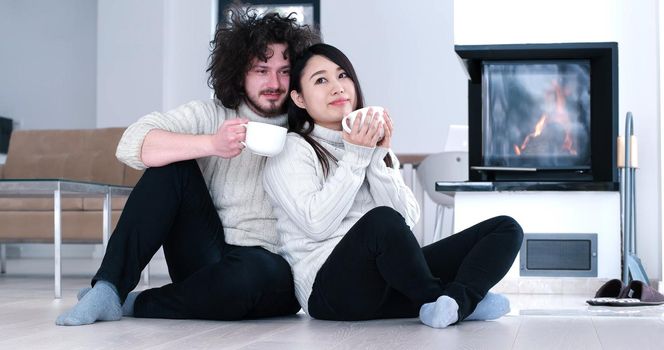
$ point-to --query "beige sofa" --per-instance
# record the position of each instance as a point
(81, 155)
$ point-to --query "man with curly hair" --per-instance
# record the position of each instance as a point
(202, 197)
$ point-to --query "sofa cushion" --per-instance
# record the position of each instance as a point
(37, 227)
(39, 204)
(83, 155)
(117, 203)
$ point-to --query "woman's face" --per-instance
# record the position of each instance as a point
(328, 93)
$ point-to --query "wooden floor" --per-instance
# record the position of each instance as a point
(28, 311)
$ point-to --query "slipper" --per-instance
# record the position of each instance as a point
(610, 292)
(624, 302)
(643, 293)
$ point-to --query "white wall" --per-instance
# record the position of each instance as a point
(633, 24)
(660, 53)
(479, 22)
(152, 56)
(48, 63)
(187, 33)
(404, 55)
(129, 60)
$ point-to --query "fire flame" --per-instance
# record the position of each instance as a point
(537, 132)
(559, 116)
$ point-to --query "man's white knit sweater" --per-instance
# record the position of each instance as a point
(235, 184)
(314, 212)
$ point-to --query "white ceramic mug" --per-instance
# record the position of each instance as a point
(349, 120)
(264, 139)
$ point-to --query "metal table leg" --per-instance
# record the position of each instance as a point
(57, 241)
(106, 230)
(3, 258)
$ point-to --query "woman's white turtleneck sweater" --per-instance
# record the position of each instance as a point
(314, 212)
(236, 184)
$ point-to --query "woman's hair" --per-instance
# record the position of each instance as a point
(299, 120)
(245, 36)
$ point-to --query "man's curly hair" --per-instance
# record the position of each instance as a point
(244, 37)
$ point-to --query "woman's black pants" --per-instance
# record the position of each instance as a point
(379, 271)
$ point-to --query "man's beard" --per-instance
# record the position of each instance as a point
(274, 108)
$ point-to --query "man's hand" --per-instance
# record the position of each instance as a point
(227, 142)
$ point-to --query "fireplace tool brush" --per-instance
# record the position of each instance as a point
(627, 161)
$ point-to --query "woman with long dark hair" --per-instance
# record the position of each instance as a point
(345, 215)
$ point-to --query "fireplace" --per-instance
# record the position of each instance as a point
(543, 113)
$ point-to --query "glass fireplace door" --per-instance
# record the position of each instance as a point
(536, 114)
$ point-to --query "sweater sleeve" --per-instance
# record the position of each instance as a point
(317, 205)
(388, 188)
(195, 118)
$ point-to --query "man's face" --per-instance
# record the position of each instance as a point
(266, 83)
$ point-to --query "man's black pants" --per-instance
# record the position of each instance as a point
(171, 207)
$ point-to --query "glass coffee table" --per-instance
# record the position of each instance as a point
(57, 189)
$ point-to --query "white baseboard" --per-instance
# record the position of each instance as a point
(550, 285)
(556, 285)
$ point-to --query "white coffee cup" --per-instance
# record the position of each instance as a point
(348, 121)
(264, 139)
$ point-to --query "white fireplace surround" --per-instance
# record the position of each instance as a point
(551, 212)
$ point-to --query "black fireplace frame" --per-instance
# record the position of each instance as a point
(603, 57)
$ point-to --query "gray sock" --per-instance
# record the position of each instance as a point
(441, 313)
(127, 307)
(81, 293)
(493, 306)
(100, 303)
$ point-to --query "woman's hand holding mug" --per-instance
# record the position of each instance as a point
(363, 131)
(388, 127)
